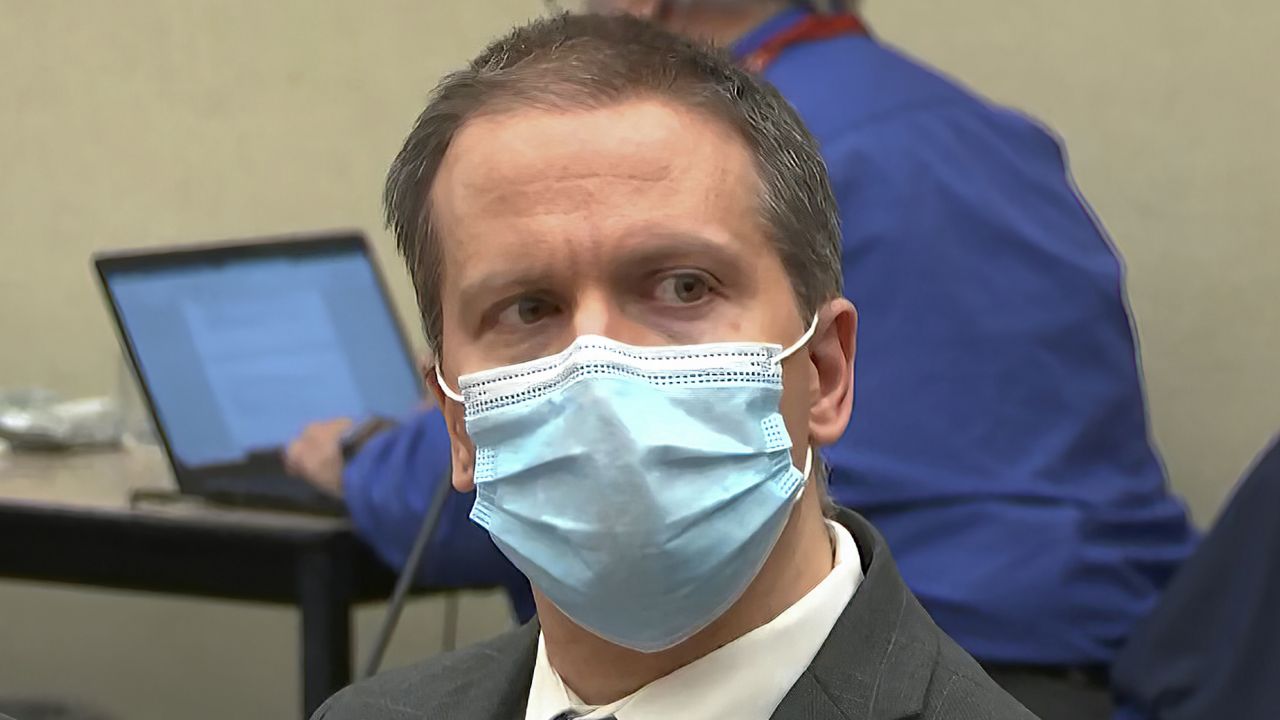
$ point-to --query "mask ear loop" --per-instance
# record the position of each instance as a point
(777, 359)
(808, 467)
(804, 340)
(449, 392)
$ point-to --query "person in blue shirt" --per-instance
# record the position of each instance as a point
(388, 486)
(1000, 438)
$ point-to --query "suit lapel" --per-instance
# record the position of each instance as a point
(807, 700)
(878, 659)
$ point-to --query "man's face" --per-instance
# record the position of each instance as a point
(639, 222)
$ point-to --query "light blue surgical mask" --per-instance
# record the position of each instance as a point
(641, 489)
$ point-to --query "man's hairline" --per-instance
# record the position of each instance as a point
(510, 106)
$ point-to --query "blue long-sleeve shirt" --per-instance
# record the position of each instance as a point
(999, 439)
(388, 487)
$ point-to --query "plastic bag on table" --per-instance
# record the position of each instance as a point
(38, 419)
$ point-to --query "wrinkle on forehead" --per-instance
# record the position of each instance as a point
(558, 193)
(515, 178)
(642, 141)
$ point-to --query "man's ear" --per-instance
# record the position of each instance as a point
(832, 351)
(460, 448)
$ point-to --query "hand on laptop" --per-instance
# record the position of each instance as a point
(316, 455)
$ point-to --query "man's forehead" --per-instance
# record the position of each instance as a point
(530, 162)
(590, 188)
(646, 139)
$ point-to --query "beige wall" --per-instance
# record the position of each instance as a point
(129, 122)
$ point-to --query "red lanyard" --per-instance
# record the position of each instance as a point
(807, 28)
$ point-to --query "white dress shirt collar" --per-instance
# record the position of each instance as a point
(745, 679)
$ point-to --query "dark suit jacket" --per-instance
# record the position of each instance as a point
(1211, 646)
(884, 660)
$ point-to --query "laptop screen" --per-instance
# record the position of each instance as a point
(241, 350)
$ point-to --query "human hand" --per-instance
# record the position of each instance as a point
(316, 455)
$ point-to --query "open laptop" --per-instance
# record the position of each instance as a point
(239, 345)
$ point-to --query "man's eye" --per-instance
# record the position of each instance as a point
(527, 311)
(683, 289)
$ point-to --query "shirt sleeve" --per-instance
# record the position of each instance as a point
(388, 487)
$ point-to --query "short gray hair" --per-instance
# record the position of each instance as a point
(592, 61)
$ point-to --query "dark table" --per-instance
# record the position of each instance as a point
(66, 519)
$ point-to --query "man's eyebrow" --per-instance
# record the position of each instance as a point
(495, 283)
(669, 246)
(643, 249)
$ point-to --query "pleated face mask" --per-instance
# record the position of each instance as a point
(640, 489)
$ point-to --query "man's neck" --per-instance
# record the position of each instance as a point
(723, 27)
(601, 672)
